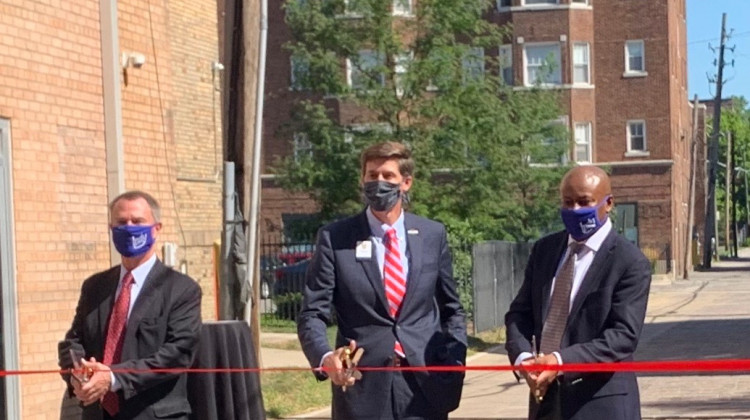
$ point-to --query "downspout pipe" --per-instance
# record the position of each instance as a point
(252, 228)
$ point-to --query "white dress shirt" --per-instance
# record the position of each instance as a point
(582, 263)
(139, 278)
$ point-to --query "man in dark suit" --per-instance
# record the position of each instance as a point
(388, 277)
(583, 299)
(138, 316)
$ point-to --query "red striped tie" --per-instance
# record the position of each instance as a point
(395, 280)
(115, 336)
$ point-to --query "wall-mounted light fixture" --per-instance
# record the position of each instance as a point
(135, 60)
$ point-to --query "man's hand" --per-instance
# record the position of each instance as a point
(531, 377)
(545, 378)
(335, 369)
(97, 385)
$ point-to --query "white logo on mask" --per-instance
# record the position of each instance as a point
(140, 241)
(588, 226)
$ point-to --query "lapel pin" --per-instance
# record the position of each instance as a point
(412, 232)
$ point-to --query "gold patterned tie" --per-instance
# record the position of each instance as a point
(559, 307)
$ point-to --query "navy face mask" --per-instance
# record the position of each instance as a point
(132, 240)
(381, 195)
(583, 222)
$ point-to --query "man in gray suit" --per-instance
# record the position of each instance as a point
(584, 301)
(388, 277)
(135, 317)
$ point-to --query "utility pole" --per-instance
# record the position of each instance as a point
(733, 194)
(709, 231)
(691, 194)
(728, 196)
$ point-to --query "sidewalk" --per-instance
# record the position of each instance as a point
(706, 317)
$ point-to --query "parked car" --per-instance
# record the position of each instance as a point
(290, 278)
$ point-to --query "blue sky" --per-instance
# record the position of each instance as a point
(704, 28)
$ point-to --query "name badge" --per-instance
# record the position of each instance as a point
(363, 250)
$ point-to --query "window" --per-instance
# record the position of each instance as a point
(300, 70)
(581, 62)
(366, 72)
(401, 66)
(582, 133)
(636, 136)
(402, 8)
(634, 57)
(529, 2)
(504, 3)
(542, 64)
(626, 221)
(472, 64)
(505, 59)
(302, 147)
(579, 1)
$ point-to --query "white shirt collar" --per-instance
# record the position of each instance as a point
(140, 272)
(379, 228)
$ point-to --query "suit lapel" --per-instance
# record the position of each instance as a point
(108, 302)
(550, 270)
(594, 274)
(370, 265)
(148, 293)
(414, 247)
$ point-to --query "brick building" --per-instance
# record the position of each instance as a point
(621, 68)
(59, 167)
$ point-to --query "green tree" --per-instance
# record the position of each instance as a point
(735, 120)
(488, 155)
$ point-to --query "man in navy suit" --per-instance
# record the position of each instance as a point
(584, 300)
(130, 319)
(388, 277)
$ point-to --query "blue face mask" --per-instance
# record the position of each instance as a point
(583, 222)
(132, 240)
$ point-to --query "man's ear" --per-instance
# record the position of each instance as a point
(406, 183)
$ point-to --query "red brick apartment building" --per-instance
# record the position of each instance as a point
(621, 68)
(61, 66)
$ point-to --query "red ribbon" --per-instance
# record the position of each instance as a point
(671, 366)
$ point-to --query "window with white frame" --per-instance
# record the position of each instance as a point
(579, 1)
(530, 2)
(300, 69)
(635, 57)
(636, 136)
(582, 134)
(472, 64)
(402, 7)
(400, 67)
(542, 64)
(302, 147)
(366, 71)
(505, 61)
(581, 63)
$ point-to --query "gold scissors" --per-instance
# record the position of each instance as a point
(350, 364)
(537, 395)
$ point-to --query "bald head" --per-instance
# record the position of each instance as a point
(586, 186)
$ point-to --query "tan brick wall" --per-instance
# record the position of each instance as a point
(51, 91)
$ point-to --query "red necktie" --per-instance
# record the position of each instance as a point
(115, 337)
(395, 280)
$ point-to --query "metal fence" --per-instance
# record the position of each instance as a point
(282, 271)
(498, 270)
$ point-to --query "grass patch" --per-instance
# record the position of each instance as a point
(485, 340)
(288, 393)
